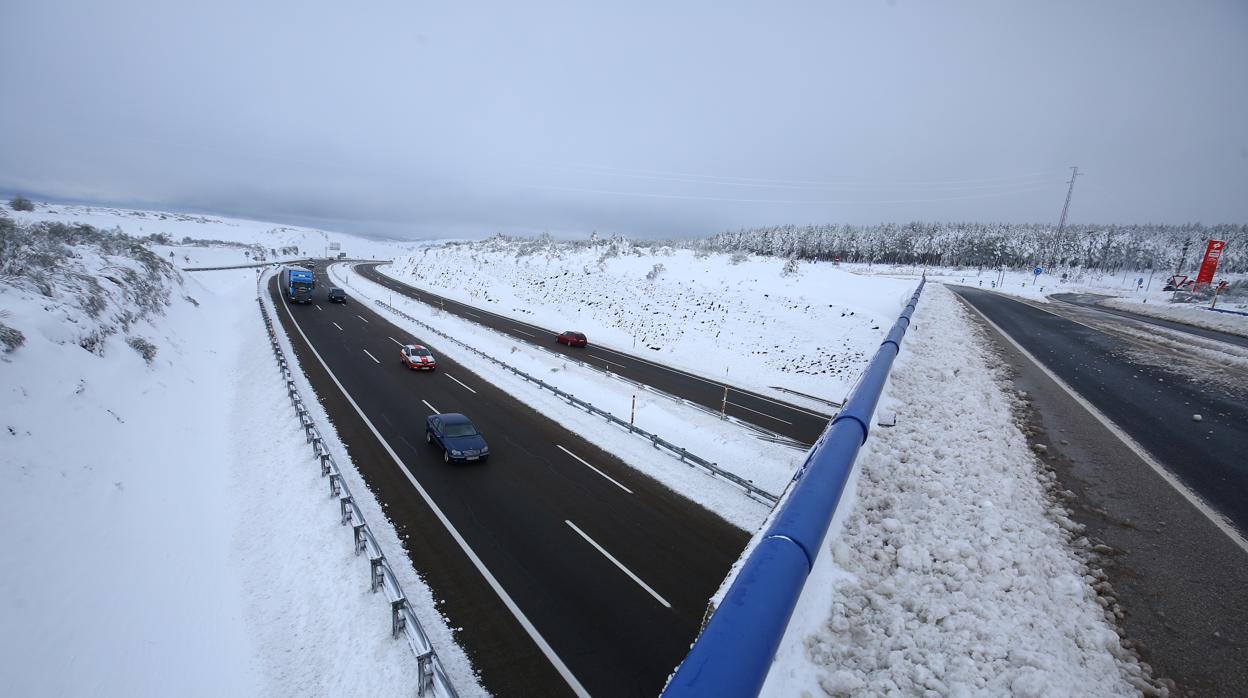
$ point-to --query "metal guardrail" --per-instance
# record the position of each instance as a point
(735, 650)
(655, 440)
(403, 620)
(761, 432)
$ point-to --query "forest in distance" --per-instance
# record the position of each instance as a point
(1105, 248)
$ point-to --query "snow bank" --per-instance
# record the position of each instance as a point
(955, 572)
(739, 319)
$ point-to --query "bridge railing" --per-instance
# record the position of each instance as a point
(735, 650)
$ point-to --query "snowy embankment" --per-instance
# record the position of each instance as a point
(189, 240)
(167, 530)
(744, 320)
(956, 572)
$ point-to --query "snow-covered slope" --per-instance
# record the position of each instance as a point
(745, 320)
(166, 529)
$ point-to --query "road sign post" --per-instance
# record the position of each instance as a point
(1036, 274)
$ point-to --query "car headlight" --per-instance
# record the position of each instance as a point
(456, 453)
(485, 450)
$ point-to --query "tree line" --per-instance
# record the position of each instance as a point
(992, 245)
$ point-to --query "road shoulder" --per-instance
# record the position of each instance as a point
(1172, 581)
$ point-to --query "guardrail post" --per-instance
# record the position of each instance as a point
(345, 503)
(398, 620)
(325, 462)
(357, 530)
(375, 578)
(424, 664)
(335, 484)
(316, 445)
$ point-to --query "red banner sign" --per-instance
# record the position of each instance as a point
(1210, 265)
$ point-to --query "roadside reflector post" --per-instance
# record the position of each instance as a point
(632, 417)
(723, 407)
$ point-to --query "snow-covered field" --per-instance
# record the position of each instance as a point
(745, 322)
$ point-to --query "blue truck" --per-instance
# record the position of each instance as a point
(297, 285)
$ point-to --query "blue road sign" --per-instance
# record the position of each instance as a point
(1037, 271)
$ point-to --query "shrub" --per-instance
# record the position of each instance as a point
(21, 203)
(10, 338)
(654, 273)
(145, 348)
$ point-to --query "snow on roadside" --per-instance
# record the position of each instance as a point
(732, 447)
(1188, 313)
(955, 573)
(167, 530)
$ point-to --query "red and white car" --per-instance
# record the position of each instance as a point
(417, 357)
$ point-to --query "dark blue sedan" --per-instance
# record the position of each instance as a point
(458, 438)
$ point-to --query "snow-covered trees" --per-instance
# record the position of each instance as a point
(1019, 245)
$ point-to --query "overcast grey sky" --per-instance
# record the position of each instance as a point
(415, 119)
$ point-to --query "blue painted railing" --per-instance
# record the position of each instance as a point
(736, 648)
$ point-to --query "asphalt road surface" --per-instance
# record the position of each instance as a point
(1153, 404)
(797, 423)
(1176, 582)
(608, 567)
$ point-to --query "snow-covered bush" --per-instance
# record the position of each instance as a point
(654, 273)
(21, 203)
(10, 338)
(102, 280)
(144, 348)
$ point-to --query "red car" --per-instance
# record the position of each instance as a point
(417, 358)
(572, 339)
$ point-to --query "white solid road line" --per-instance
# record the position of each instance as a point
(587, 465)
(314, 305)
(374, 358)
(435, 410)
(472, 314)
(607, 361)
(730, 402)
(1193, 498)
(525, 623)
(627, 571)
(361, 317)
(460, 382)
(339, 327)
(392, 339)
(524, 333)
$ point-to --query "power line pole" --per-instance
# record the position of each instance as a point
(1062, 223)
